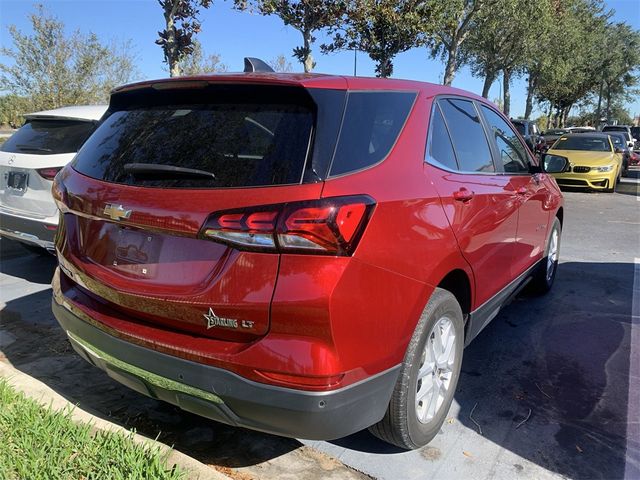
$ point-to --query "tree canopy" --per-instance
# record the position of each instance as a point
(382, 29)
(51, 68)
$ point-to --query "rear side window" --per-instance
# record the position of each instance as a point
(231, 141)
(467, 134)
(49, 137)
(440, 148)
(512, 153)
(372, 122)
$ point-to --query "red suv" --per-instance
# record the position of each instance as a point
(305, 255)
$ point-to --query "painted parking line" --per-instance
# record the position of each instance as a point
(633, 399)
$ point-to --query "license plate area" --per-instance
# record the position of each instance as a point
(17, 181)
(136, 252)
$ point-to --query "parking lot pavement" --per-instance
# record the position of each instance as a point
(553, 382)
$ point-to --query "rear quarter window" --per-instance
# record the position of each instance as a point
(467, 134)
(370, 127)
(49, 137)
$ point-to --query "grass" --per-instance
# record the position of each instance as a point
(40, 443)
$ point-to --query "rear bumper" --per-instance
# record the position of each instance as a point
(226, 397)
(33, 232)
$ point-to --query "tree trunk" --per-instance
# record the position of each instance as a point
(608, 111)
(506, 81)
(384, 68)
(450, 69)
(556, 118)
(488, 81)
(172, 47)
(531, 88)
(308, 62)
(599, 107)
(565, 115)
(549, 116)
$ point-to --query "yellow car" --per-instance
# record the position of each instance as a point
(593, 161)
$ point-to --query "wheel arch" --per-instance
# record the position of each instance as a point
(458, 283)
(560, 215)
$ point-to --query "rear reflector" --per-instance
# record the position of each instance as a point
(48, 173)
(329, 226)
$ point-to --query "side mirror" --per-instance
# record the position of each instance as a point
(618, 150)
(554, 163)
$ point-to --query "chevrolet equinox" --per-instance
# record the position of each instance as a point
(305, 255)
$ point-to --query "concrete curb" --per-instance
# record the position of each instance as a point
(40, 392)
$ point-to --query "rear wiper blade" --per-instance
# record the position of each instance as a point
(156, 168)
(25, 147)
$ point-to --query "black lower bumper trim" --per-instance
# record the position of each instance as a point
(227, 397)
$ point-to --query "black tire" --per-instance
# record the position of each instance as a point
(546, 274)
(400, 425)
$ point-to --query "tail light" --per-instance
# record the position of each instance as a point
(329, 226)
(59, 193)
(48, 173)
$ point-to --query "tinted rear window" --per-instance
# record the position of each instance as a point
(243, 140)
(371, 125)
(49, 137)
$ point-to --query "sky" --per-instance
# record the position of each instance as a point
(235, 35)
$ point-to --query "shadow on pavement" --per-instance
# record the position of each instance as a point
(564, 358)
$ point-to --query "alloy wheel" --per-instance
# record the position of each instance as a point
(436, 369)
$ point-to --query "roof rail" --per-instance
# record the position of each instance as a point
(252, 64)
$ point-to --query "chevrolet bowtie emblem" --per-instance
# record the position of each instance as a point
(116, 212)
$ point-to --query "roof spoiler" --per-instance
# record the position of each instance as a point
(252, 64)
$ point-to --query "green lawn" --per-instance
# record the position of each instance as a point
(40, 443)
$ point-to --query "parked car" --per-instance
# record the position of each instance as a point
(619, 141)
(593, 161)
(550, 136)
(29, 160)
(625, 129)
(635, 133)
(531, 134)
(274, 251)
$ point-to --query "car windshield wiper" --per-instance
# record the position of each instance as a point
(165, 170)
(29, 148)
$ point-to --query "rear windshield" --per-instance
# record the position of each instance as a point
(49, 137)
(615, 129)
(583, 142)
(230, 141)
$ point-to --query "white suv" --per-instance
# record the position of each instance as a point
(29, 160)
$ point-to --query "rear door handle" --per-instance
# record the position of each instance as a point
(463, 195)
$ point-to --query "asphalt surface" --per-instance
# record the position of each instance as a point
(553, 382)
